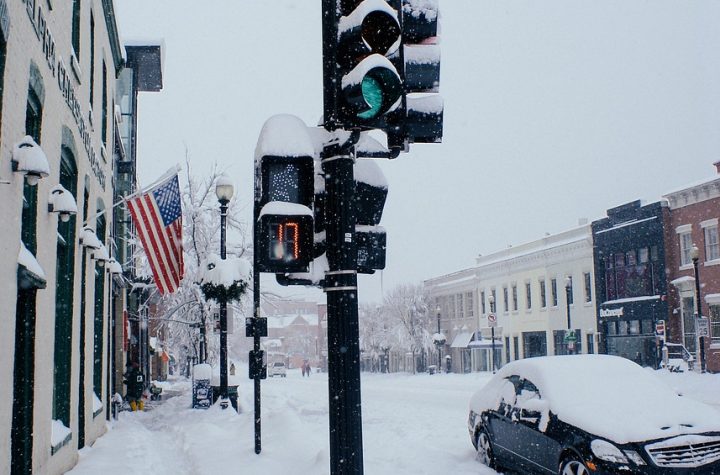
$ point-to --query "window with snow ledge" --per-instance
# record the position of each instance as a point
(60, 436)
(97, 406)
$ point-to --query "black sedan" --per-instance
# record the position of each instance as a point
(591, 414)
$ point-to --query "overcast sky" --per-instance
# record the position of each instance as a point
(554, 111)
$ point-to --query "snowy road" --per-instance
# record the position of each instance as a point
(411, 425)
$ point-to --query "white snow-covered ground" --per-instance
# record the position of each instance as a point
(412, 424)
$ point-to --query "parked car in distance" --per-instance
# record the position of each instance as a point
(277, 369)
(679, 359)
(583, 414)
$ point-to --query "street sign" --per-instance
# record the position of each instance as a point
(570, 337)
(492, 320)
(702, 326)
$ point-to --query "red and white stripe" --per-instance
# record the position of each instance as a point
(163, 245)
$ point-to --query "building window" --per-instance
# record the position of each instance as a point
(515, 297)
(493, 306)
(553, 292)
(712, 251)
(3, 54)
(65, 267)
(99, 311)
(92, 61)
(590, 343)
(685, 247)
(543, 296)
(470, 304)
(528, 295)
(507, 349)
(459, 311)
(103, 118)
(482, 302)
(588, 286)
(714, 312)
(516, 347)
(76, 28)
(505, 299)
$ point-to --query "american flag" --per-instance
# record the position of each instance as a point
(157, 215)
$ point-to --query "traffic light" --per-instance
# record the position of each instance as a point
(362, 64)
(422, 119)
(284, 195)
(371, 190)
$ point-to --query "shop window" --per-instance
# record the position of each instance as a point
(712, 251)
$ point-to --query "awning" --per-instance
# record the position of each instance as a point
(485, 344)
(30, 275)
(461, 340)
(712, 299)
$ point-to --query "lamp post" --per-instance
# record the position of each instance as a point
(569, 337)
(439, 341)
(491, 299)
(695, 256)
(224, 192)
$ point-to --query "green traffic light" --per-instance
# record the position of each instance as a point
(373, 94)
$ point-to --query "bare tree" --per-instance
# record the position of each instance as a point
(407, 305)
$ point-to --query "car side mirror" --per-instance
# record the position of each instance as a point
(530, 416)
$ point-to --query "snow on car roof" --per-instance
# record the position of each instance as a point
(608, 396)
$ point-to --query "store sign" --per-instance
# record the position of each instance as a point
(57, 68)
(611, 312)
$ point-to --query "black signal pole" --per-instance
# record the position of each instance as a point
(256, 316)
(346, 451)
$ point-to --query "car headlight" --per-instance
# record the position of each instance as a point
(604, 450)
(634, 456)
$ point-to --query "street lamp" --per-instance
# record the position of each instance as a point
(491, 299)
(695, 256)
(569, 337)
(224, 192)
(439, 341)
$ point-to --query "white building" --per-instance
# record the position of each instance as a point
(524, 288)
(58, 64)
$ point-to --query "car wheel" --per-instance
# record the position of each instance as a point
(484, 449)
(573, 466)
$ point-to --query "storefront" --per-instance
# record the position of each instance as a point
(631, 282)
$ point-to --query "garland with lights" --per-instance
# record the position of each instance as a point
(222, 293)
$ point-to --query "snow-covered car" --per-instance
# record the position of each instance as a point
(582, 414)
(277, 369)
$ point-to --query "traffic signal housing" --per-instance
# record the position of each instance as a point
(284, 195)
(421, 119)
(362, 62)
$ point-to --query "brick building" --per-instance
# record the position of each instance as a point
(694, 213)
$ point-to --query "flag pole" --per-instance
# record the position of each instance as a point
(172, 171)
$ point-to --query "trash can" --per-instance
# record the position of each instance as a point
(201, 389)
